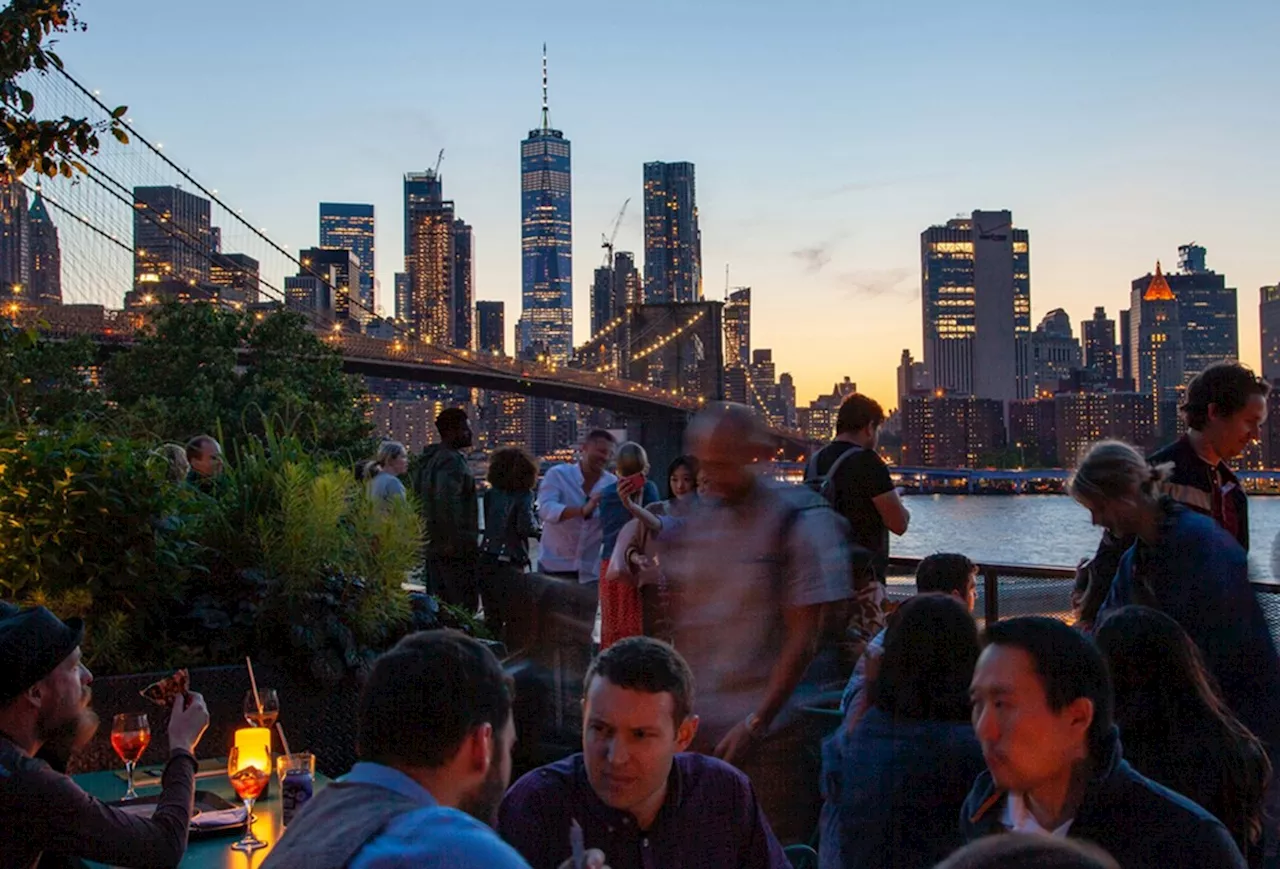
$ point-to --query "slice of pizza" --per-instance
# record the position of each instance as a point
(164, 692)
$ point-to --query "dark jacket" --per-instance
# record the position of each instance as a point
(509, 522)
(1191, 483)
(446, 491)
(891, 790)
(1138, 822)
(1199, 576)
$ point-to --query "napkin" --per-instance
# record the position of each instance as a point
(221, 818)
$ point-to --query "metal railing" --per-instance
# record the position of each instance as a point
(1006, 590)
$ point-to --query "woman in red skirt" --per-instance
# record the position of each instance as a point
(621, 611)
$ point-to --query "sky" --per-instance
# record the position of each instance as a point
(827, 134)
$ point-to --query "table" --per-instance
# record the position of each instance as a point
(213, 853)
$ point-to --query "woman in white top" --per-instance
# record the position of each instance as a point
(392, 462)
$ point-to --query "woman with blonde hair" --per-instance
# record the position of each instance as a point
(1185, 565)
(176, 456)
(388, 466)
(621, 608)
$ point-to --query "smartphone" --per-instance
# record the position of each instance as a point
(635, 481)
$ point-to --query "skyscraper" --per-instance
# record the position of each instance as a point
(491, 328)
(402, 296)
(15, 238)
(602, 310)
(672, 239)
(172, 236)
(1055, 352)
(1269, 320)
(737, 328)
(546, 238)
(628, 290)
(976, 294)
(1156, 346)
(46, 255)
(463, 285)
(341, 269)
(1207, 311)
(1100, 344)
(350, 225)
(430, 261)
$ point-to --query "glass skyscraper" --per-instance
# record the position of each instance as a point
(349, 226)
(672, 239)
(1207, 310)
(546, 239)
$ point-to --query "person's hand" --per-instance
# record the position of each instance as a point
(735, 743)
(188, 722)
(594, 859)
(592, 503)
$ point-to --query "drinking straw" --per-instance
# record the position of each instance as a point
(254, 684)
(283, 741)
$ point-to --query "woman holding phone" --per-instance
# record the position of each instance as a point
(621, 612)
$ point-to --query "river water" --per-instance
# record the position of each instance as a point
(1043, 529)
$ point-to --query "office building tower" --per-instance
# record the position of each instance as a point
(602, 310)
(1155, 340)
(628, 289)
(46, 255)
(311, 294)
(546, 238)
(341, 268)
(1099, 336)
(787, 400)
(976, 294)
(350, 226)
(1207, 311)
(172, 236)
(1269, 322)
(913, 378)
(236, 276)
(672, 240)
(15, 238)
(737, 327)
(463, 285)
(402, 296)
(1055, 352)
(1126, 349)
(421, 189)
(491, 328)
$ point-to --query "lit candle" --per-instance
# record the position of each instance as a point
(254, 744)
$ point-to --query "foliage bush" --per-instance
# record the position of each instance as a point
(90, 526)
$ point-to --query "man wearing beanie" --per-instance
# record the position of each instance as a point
(44, 691)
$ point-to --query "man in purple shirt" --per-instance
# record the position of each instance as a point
(636, 796)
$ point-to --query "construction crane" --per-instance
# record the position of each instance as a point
(439, 160)
(606, 242)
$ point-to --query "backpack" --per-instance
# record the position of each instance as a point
(824, 485)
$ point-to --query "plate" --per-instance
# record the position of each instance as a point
(206, 801)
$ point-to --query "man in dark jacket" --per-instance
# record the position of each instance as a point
(1042, 712)
(1225, 407)
(446, 491)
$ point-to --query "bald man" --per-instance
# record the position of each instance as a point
(757, 562)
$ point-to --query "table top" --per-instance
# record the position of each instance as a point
(215, 852)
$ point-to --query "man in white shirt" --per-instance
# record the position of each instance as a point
(567, 501)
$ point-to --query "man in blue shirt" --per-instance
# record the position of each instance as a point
(632, 792)
(435, 737)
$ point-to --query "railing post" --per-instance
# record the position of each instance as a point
(991, 594)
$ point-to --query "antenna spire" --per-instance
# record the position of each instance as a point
(546, 111)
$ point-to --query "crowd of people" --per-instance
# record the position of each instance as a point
(752, 688)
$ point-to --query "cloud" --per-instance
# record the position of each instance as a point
(818, 257)
(873, 283)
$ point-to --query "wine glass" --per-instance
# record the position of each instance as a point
(248, 780)
(130, 736)
(270, 708)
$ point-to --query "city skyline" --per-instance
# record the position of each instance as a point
(822, 216)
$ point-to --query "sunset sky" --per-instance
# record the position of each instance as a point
(827, 134)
